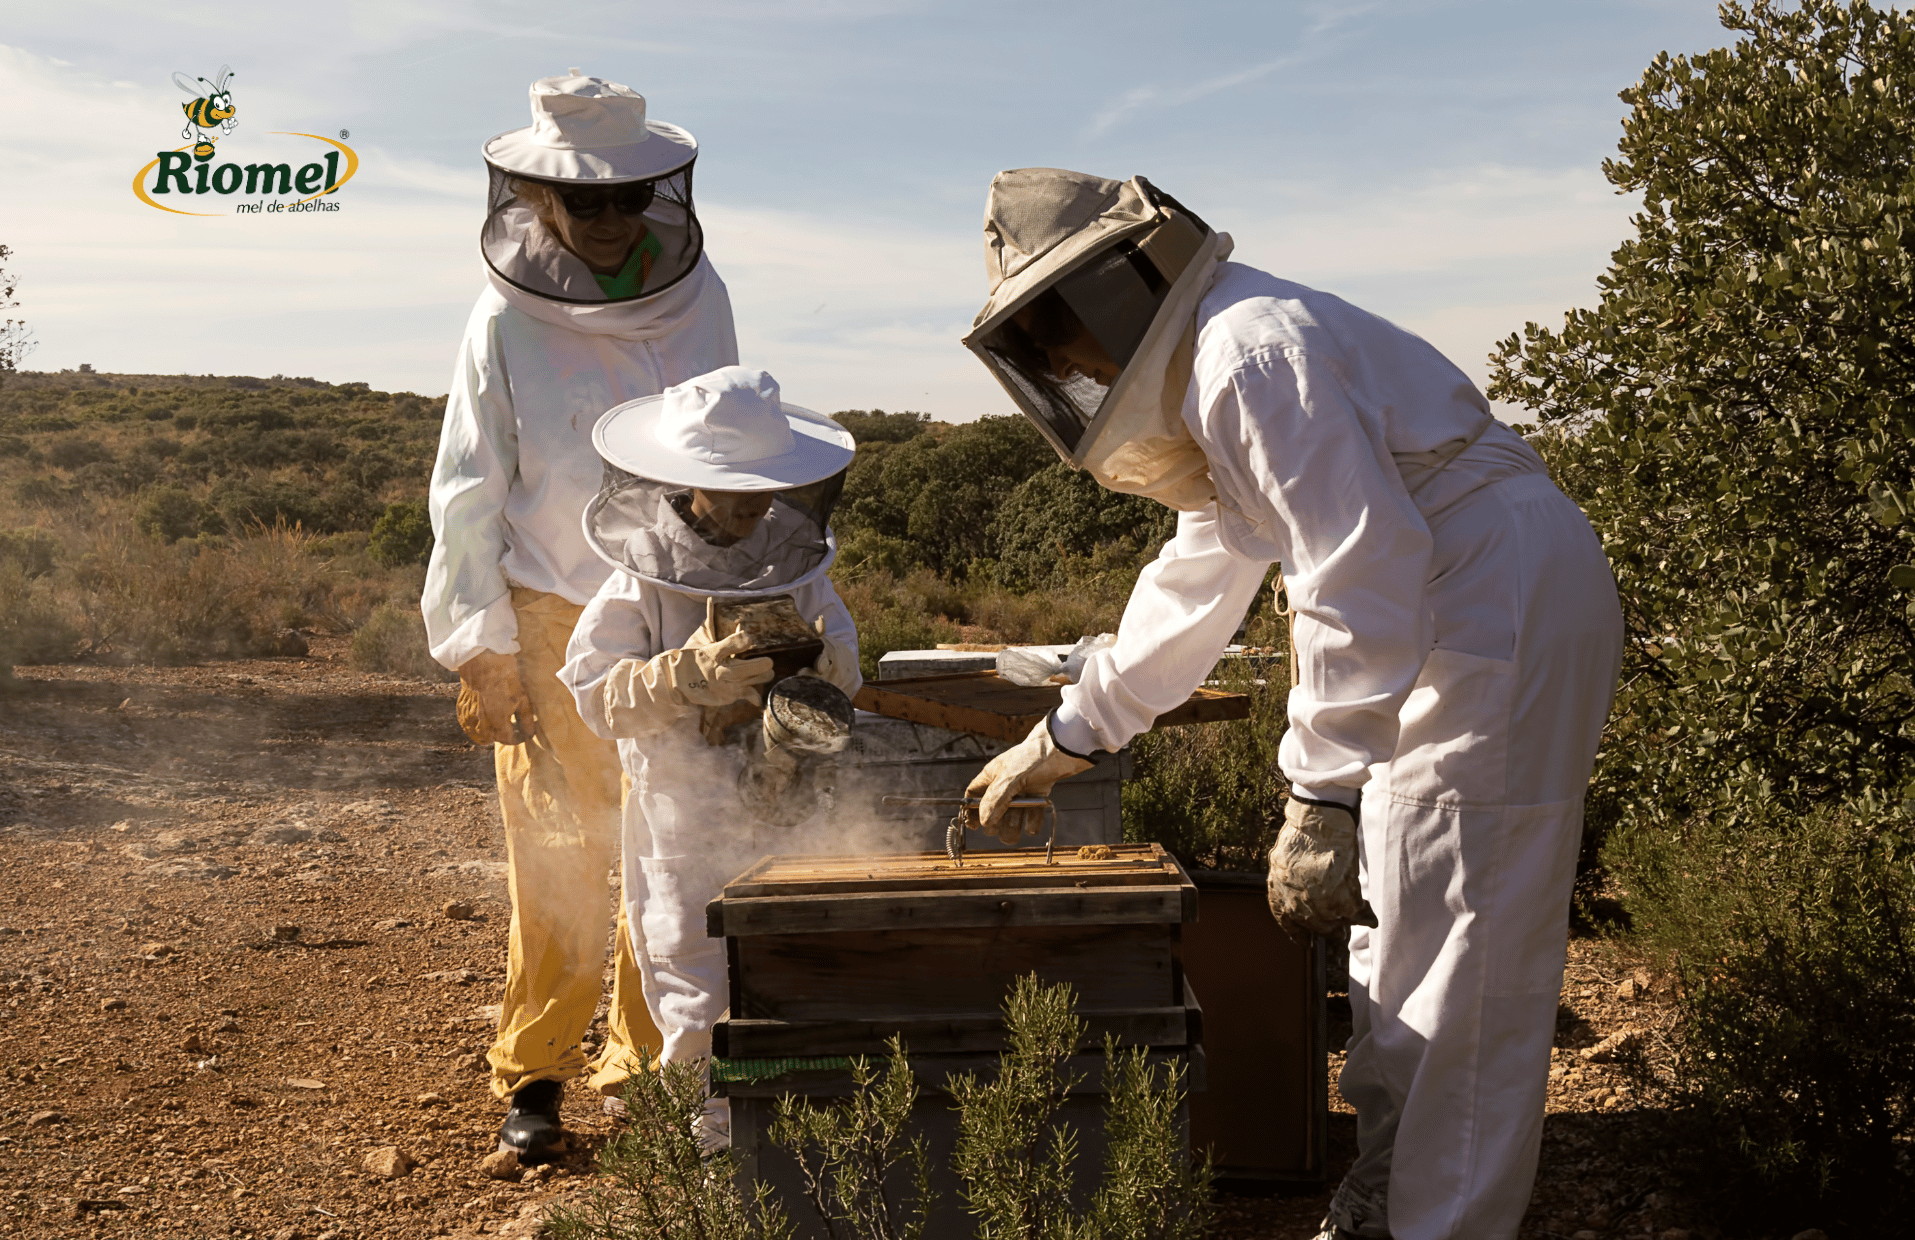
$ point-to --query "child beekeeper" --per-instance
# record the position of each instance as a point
(715, 490)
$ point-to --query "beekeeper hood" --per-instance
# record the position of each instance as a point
(1091, 324)
(592, 203)
(718, 487)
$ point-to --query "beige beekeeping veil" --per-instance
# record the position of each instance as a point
(1068, 253)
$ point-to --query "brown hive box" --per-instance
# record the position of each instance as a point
(829, 956)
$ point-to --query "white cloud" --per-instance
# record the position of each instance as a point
(848, 311)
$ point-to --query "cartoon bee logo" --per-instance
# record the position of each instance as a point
(212, 108)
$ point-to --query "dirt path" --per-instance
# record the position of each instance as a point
(229, 974)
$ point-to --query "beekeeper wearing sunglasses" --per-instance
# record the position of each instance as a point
(718, 490)
(1456, 637)
(600, 293)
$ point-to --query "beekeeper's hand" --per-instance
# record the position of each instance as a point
(1313, 870)
(1027, 769)
(643, 697)
(493, 706)
(839, 662)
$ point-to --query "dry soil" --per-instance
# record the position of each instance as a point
(233, 986)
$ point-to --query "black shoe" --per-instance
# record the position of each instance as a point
(532, 1127)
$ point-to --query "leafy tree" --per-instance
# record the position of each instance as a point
(1734, 416)
(938, 488)
(877, 426)
(1740, 398)
(1059, 512)
(16, 341)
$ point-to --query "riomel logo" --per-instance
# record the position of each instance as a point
(188, 173)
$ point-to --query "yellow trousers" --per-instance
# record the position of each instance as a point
(561, 794)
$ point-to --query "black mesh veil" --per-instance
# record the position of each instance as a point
(1113, 296)
(655, 530)
(525, 216)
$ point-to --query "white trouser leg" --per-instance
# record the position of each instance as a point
(1470, 834)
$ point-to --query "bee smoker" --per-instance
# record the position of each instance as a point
(786, 777)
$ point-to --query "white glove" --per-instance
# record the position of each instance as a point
(644, 697)
(1027, 769)
(839, 662)
(1313, 869)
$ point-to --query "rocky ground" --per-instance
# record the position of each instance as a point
(251, 928)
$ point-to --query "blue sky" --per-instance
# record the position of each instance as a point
(1436, 161)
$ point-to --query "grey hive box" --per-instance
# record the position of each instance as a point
(829, 956)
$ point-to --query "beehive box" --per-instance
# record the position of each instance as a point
(830, 956)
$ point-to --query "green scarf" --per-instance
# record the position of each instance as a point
(627, 281)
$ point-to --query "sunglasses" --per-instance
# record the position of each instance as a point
(589, 203)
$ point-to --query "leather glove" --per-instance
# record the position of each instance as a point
(644, 697)
(493, 706)
(1313, 870)
(1027, 769)
(839, 662)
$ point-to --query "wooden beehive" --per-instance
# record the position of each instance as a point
(830, 956)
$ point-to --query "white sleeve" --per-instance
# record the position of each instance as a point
(611, 629)
(1284, 436)
(1184, 610)
(466, 604)
(821, 599)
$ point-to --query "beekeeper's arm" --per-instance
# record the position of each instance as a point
(623, 691)
(1281, 434)
(839, 662)
(467, 607)
(470, 625)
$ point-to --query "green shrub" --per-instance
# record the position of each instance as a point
(401, 535)
(1795, 943)
(40, 492)
(1211, 793)
(393, 640)
(1015, 1162)
(76, 450)
(31, 551)
(170, 513)
(851, 1152)
(657, 1183)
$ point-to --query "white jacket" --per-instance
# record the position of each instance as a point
(1312, 414)
(516, 465)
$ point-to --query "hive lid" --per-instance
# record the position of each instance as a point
(985, 704)
(794, 895)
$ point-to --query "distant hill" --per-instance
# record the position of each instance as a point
(212, 454)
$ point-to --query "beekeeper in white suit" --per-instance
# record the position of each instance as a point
(717, 490)
(1456, 631)
(600, 293)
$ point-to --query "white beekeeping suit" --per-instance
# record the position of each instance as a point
(718, 490)
(600, 293)
(1457, 641)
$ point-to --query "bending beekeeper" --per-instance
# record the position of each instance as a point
(600, 293)
(717, 490)
(1456, 638)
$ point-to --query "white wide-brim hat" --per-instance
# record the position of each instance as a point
(589, 129)
(723, 431)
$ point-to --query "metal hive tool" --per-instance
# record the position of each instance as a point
(966, 816)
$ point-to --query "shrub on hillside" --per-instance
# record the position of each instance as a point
(393, 640)
(170, 513)
(401, 535)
